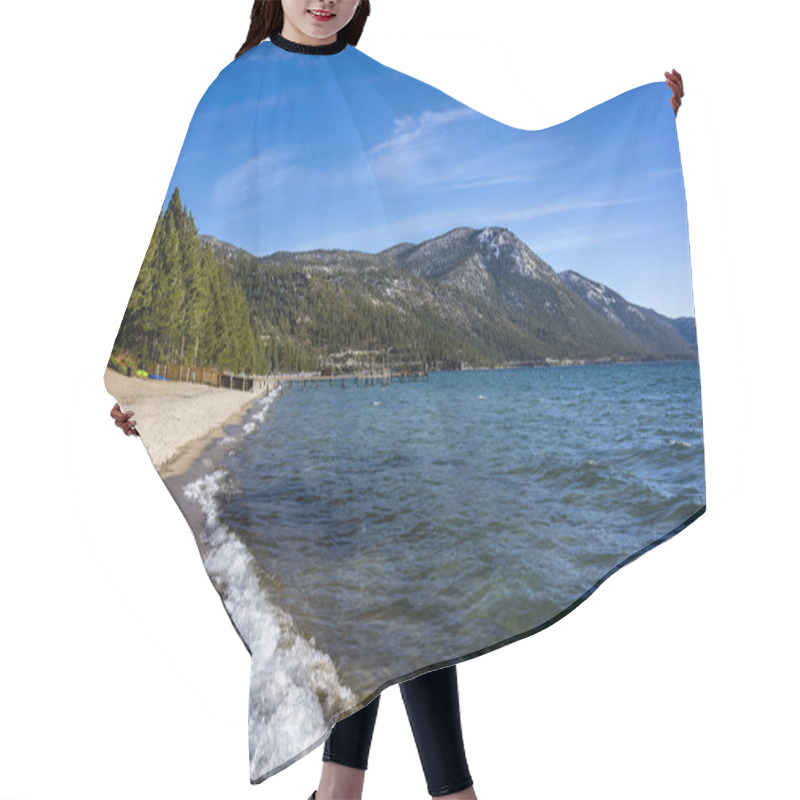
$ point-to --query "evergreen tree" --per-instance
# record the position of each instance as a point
(184, 307)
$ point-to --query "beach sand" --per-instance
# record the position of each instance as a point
(175, 419)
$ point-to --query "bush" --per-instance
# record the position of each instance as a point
(117, 364)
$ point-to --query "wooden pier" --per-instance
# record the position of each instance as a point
(356, 379)
(262, 383)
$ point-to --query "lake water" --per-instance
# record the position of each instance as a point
(366, 533)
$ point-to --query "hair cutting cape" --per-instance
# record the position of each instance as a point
(463, 356)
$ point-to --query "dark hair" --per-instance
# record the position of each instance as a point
(266, 18)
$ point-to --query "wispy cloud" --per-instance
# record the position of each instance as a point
(577, 238)
(412, 127)
(256, 177)
(657, 174)
(561, 207)
(454, 151)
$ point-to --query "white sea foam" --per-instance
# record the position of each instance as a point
(294, 687)
(259, 415)
(264, 404)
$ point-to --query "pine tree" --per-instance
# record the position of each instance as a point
(136, 327)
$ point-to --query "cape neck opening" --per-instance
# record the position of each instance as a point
(309, 49)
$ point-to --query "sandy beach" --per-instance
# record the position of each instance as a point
(177, 419)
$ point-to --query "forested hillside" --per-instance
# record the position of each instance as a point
(469, 297)
(184, 308)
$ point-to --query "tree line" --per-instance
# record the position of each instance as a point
(184, 309)
(228, 309)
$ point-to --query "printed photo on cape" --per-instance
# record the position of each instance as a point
(472, 356)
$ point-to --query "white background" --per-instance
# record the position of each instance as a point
(120, 673)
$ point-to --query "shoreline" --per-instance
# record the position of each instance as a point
(187, 455)
(177, 420)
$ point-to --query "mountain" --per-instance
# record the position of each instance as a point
(662, 335)
(476, 297)
(688, 329)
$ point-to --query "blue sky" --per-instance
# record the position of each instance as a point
(288, 151)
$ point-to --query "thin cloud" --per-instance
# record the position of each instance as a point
(546, 210)
(447, 151)
(255, 177)
(586, 236)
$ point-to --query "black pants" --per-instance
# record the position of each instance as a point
(431, 701)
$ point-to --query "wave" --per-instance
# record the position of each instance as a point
(294, 686)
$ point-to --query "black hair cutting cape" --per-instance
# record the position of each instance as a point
(464, 355)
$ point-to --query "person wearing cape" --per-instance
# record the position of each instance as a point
(470, 351)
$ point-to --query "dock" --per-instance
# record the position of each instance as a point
(355, 379)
